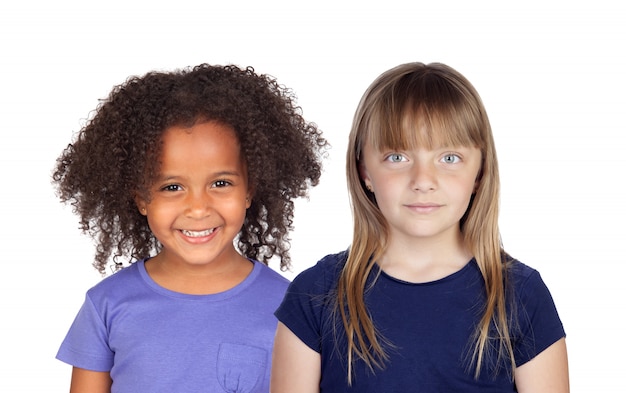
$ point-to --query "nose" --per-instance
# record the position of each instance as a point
(199, 204)
(424, 176)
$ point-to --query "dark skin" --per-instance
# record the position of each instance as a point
(84, 381)
(112, 175)
(114, 158)
(204, 184)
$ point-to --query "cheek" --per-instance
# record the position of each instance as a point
(386, 180)
(235, 209)
(158, 213)
(387, 194)
(466, 187)
(465, 190)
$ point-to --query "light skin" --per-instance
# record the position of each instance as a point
(196, 208)
(423, 194)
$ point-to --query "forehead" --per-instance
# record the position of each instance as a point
(203, 146)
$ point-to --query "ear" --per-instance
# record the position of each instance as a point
(249, 197)
(365, 177)
(478, 181)
(479, 176)
(141, 205)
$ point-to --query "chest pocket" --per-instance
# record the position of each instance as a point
(241, 368)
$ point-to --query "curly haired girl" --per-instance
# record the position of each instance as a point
(171, 172)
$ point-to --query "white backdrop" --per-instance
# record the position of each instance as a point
(552, 78)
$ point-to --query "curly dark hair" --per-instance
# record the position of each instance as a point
(115, 156)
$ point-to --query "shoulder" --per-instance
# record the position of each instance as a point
(537, 321)
(268, 273)
(124, 279)
(331, 263)
(270, 277)
(321, 277)
(530, 295)
(522, 277)
(519, 270)
(262, 283)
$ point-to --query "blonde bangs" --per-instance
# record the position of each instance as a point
(402, 120)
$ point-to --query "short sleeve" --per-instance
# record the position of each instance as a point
(307, 302)
(86, 343)
(539, 323)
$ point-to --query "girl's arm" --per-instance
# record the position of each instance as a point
(546, 372)
(86, 381)
(295, 366)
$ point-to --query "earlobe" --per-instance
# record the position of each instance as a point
(249, 197)
(141, 205)
(365, 178)
(477, 184)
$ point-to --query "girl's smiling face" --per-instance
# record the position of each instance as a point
(198, 202)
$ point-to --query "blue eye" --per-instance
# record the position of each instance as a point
(451, 158)
(396, 157)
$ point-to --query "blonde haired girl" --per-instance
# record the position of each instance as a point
(425, 299)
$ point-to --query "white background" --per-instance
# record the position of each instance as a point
(551, 75)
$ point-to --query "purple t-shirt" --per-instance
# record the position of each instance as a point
(429, 327)
(154, 340)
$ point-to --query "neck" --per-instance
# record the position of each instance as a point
(198, 280)
(424, 260)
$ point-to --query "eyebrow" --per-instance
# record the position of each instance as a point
(216, 174)
(228, 173)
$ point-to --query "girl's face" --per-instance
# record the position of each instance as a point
(199, 200)
(423, 194)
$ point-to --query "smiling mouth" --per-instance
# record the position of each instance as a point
(206, 232)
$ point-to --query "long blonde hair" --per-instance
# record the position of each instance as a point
(446, 109)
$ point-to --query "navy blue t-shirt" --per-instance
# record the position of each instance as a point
(429, 327)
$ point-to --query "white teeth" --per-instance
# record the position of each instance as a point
(197, 233)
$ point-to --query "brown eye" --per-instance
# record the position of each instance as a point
(221, 183)
(171, 187)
